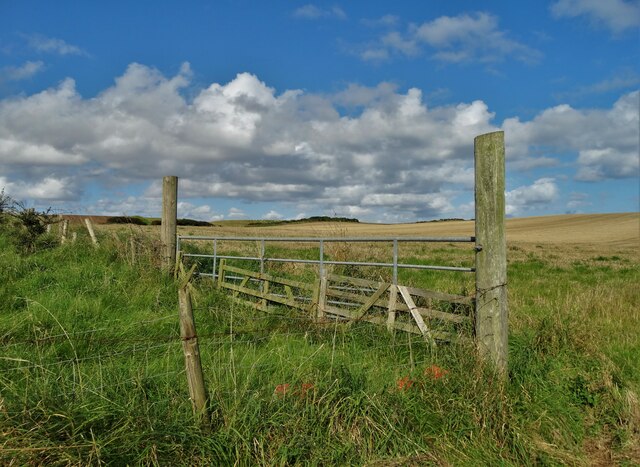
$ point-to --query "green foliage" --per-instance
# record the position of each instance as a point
(27, 227)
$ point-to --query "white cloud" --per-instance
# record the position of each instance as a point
(385, 21)
(48, 188)
(390, 156)
(616, 15)
(472, 37)
(126, 206)
(542, 192)
(465, 38)
(625, 79)
(577, 201)
(235, 213)
(606, 140)
(53, 45)
(310, 11)
(18, 73)
(598, 164)
(375, 54)
(200, 212)
(273, 216)
(394, 40)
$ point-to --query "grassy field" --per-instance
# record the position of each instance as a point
(92, 365)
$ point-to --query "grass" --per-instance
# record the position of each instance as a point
(92, 370)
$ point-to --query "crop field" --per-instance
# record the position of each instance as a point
(92, 369)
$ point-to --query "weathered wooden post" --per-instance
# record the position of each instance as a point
(92, 234)
(169, 228)
(193, 365)
(492, 320)
(64, 227)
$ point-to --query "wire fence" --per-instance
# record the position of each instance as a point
(244, 355)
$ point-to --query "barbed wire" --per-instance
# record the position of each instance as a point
(230, 340)
(45, 365)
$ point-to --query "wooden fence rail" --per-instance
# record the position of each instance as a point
(332, 296)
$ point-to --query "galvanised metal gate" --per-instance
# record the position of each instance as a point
(322, 261)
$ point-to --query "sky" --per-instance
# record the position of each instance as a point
(289, 109)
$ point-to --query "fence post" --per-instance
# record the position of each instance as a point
(92, 234)
(193, 365)
(491, 320)
(64, 227)
(169, 227)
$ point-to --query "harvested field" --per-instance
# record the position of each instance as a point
(622, 229)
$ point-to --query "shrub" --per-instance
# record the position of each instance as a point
(188, 222)
(136, 220)
(193, 223)
(26, 227)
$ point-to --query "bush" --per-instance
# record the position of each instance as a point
(193, 223)
(136, 220)
(188, 222)
(26, 227)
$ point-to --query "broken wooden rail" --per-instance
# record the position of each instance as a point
(334, 296)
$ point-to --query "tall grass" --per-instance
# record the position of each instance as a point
(92, 372)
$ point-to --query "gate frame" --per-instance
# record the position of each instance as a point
(491, 311)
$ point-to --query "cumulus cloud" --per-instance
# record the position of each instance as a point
(47, 189)
(606, 140)
(615, 15)
(389, 157)
(542, 192)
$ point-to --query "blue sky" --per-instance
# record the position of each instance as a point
(288, 109)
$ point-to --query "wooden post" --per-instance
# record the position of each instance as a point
(132, 247)
(322, 296)
(393, 298)
(92, 233)
(169, 227)
(492, 324)
(195, 377)
(417, 317)
(63, 230)
(221, 273)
